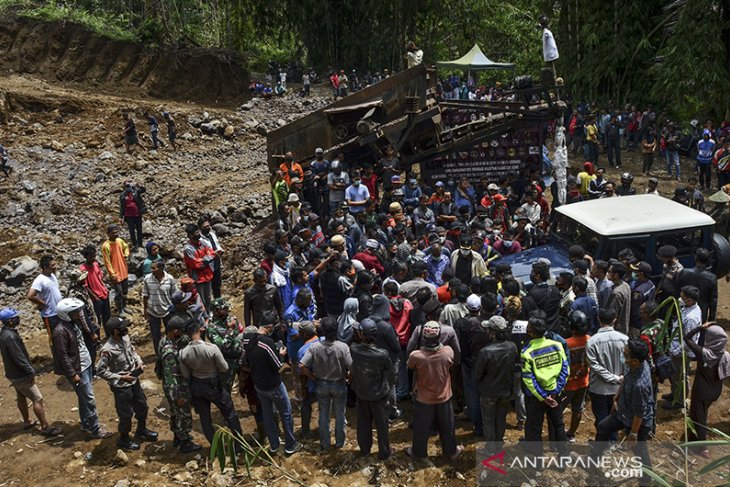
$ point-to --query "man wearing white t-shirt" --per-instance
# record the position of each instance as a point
(549, 47)
(45, 293)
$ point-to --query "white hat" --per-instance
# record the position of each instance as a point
(293, 198)
(474, 302)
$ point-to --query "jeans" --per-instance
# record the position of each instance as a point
(305, 410)
(471, 399)
(402, 387)
(705, 174)
(591, 152)
(87, 403)
(156, 329)
(277, 398)
(608, 428)
(134, 223)
(369, 412)
(601, 406)
(536, 412)
(423, 419)
(103, 312)
(519, 396)
(672, 161)
(494, 415)
(120, 295)
(331, 394)
(613, 150)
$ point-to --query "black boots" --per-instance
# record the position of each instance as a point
(126, 443)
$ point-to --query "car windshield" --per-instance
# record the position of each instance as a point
(570, 232)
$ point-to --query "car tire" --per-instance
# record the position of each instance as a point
(720, 255)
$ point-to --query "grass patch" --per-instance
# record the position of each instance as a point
(116, 27)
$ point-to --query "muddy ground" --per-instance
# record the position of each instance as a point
(60, 197)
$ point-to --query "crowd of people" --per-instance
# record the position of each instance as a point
(378, 291)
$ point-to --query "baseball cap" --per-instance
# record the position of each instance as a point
(318, 150)
(280, 255)
(179, 297)
(439, 184)
(474, 302)
(372, 244)
(367, 326)
(337, 240)
(495, 323)
(642, 266)
(117, 323)
(8, 314)
(492, 187)
(306, 326)
(395, 179)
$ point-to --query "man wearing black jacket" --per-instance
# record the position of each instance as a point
(21, 373)
(388, 341)
(493, 371)
(704, 280)
(371, 370)
(543, 296)
(262, 359)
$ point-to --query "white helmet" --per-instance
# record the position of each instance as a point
(66, 306)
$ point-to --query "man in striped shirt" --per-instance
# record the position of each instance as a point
(158, 287)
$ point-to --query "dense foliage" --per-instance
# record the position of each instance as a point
(673, 53)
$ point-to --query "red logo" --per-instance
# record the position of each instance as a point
(499, 456)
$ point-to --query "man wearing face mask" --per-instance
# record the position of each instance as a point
(466, 263)
(357, 195)
(507, 245)
(120, 365)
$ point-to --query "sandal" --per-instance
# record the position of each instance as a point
(30, 425)
(51, 431)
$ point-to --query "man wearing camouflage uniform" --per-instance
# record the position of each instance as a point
(175, 386)
(226, 332)
(121, 366)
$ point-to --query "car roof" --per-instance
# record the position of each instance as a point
(626, 215)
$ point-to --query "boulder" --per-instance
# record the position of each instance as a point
(221, 230)
(247, 106)
(261, 130)
(56, 146)
(140, 164)
(18, 270)
(147, 230)
(106, 155)
(228, 131)
(216, 217)
(28, 186)
(239, 216)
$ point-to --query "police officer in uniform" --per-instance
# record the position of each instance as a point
(175, 386)
(120, 365)
(226, 332)
(202, 363)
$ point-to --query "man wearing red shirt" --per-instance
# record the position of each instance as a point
(291, 169)
(369, 257)
(199, 257)
(94, 283)
(131, 209)
(370, 180)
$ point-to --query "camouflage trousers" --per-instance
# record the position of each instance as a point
(181, 420)
(230, 375)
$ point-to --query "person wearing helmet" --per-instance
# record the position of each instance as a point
(121, 366)
(71, 359)
(45, 294)
(174, 385)
(20, 372)
(625, 188)
(90, 329)
(577, 386)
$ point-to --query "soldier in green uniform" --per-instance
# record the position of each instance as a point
(175, 386)
(226, 332)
